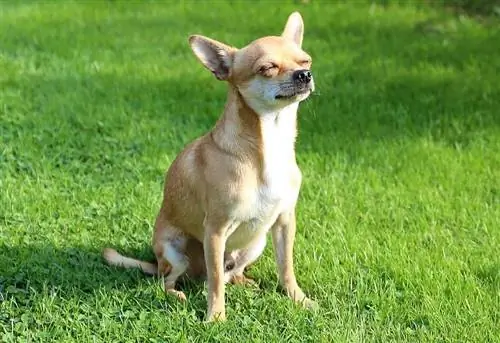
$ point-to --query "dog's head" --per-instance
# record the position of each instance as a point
(270, 73)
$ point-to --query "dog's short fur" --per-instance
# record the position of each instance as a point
(226, 190)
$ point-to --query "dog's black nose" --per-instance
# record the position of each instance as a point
(302, 76)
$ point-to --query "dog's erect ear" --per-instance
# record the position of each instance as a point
(214, 55)
(294, 28)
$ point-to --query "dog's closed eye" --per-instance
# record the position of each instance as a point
(268, 69)
(305, 63)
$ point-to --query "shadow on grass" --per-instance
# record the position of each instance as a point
(37, 266)
(33, 270)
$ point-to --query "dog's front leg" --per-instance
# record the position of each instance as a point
(283, 232)
(214, 244)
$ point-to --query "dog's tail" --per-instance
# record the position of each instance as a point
(114, 258)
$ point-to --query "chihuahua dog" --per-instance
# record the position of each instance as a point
(226, 190)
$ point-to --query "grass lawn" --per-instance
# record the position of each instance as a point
(399, 214)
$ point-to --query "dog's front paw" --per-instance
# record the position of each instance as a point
(309, 304)
(300, 298)
(216, 317)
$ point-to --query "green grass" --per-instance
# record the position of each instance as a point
(399, 214)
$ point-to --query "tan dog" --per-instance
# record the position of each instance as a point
(226, 190)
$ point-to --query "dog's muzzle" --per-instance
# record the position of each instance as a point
(301, 83)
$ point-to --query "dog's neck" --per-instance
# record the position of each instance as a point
(261, 137)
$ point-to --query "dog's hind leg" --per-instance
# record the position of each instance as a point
(243, 258)
(172, 263)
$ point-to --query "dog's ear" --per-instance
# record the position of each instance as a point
(294, 28)
(214, 55)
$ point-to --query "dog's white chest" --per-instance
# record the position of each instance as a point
(277, 192)
(279, 159)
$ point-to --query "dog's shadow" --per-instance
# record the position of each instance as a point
(77, 271)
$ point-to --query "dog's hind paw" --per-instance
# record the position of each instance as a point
(179, 294)
(243, 280)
